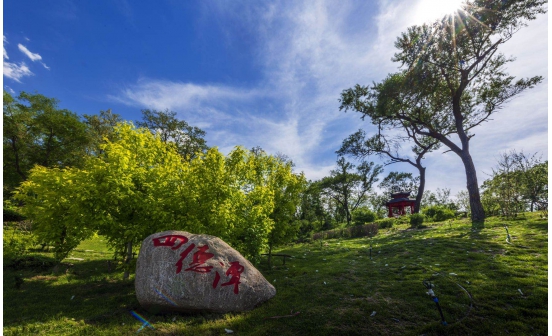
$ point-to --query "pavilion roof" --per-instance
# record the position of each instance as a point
(398, 200)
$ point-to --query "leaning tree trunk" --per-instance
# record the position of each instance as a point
(128, 259)
(477, 212)
(421, 188)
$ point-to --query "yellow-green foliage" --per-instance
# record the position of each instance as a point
(139, 185)
(16, 241)
(53, 201)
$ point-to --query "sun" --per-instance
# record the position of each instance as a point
(430, 10)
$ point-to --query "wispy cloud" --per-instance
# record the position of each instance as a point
(16, 71)
(9, 89)
(5, 40)
(309, 52)
(13, 70)
(162, 94)
(32, 56)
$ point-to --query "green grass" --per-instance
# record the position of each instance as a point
(333, 284)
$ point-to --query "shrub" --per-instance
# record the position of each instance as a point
(367, 230)
(362, 216)
(439, 213)
(416, 220)
(385, 223)
(404, 219)
(16, 242)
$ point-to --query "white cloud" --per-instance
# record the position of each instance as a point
(162, 94)
(16, 71)
(10, 89)
(32, 56)
(5, 52)
(13, 70)
(309, 52)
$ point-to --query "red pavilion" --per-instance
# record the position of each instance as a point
(400, 204)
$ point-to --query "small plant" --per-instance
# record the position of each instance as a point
(439, 213)
(416, 220)
(386, 223)
(363, 216)
(16, 241)
(368, 230)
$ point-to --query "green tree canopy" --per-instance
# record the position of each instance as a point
(101, 127)
(37, 132)
(53, 201)
(137, 185)
(349, 188)
(189, 140)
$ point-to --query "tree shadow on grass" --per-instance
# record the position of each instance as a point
(83, 291)
(543, 227)
(390, 283)
(44, 295)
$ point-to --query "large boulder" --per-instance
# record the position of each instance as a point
(181, 271)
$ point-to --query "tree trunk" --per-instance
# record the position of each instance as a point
(16, 153)
(477, 212)
(421, 188)
(269, 256)
(346, 206)
(48, 148)
(128, 259)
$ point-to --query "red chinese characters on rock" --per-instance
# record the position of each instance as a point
(235, 272)
(198, 260)
(169, 240)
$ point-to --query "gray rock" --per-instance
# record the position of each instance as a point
(181, 271)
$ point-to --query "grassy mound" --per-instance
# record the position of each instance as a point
(485, 286)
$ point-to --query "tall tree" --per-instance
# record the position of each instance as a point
(101, 128)
(441, 197)
(399, 181)
(518, 182)
(348, 188)
(388, 147)
(453, 78)
(37, 132)
(287, 188)
(312, 208)
(189, 140)
(534, 178)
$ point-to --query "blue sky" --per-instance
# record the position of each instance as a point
(251, 73)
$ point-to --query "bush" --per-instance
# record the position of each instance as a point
(362, 216)
(16, 241)
(367, 230)
(439, 213)
(416, 220)
(385, 223)
(404, 219)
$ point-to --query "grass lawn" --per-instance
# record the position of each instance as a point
(485, 287)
